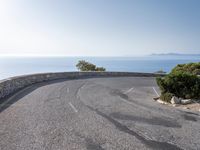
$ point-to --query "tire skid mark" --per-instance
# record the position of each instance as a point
(78, 90)
(166, 122)
(189, 117)
(155, 145)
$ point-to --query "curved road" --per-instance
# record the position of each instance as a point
(95, 114)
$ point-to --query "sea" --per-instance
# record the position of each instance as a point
(16, 65)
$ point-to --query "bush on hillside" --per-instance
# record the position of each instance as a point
(83, 65)
(191, 68)
(180, 84)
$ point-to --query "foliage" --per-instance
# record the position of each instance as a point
(180, 84)
(192, 68)
(83, 65)
(100, 69)
(166, 97)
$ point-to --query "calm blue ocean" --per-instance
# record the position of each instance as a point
(12, 66)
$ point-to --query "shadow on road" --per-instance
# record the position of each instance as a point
(11, 99)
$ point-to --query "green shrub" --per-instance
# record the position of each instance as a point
(100, 69)
(191, 68)
(182, 85)
(166, 97)
(83, 65)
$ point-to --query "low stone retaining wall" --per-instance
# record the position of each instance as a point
(11, 85)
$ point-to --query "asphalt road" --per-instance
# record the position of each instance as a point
(95, 114)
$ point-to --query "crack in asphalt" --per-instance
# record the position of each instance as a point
(155, 145)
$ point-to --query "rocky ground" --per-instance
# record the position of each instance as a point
(192, 105)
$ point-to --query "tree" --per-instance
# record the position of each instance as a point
(83, 65)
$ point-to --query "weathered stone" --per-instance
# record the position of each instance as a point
(186, 101)
(175, 100)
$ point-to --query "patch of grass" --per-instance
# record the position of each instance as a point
(166, 97)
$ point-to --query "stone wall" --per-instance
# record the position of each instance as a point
(11, 85)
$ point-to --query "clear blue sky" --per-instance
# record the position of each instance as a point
(99, 27)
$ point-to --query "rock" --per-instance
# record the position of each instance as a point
(161, 102)
(180, 98)
(186, 101)
(175, 100)
(175, 105)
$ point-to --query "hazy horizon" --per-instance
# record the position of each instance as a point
(145, 55)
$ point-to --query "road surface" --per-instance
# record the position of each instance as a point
(95, 114)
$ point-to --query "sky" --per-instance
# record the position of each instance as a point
(99, 27)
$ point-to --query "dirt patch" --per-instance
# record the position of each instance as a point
(195, 106)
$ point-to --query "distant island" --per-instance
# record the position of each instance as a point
(173, 54)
